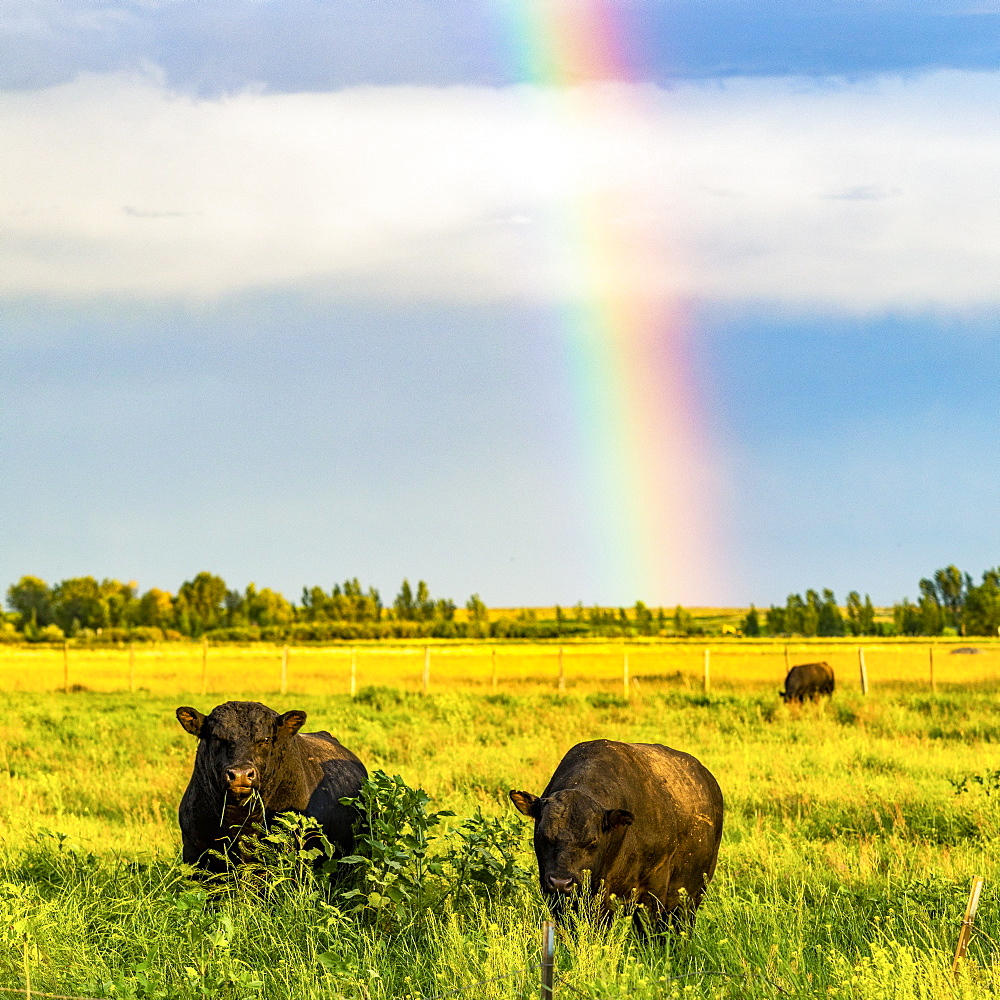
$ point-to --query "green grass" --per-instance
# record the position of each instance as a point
(844, 870)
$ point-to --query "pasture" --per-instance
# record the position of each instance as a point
(844, 871)
(584, 666)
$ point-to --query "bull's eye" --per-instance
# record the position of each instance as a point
(264, 742)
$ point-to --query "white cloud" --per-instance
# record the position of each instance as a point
(881, 194)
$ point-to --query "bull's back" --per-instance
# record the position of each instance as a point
(805, 679)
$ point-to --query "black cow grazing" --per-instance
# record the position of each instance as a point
(808, 680)
(643, 819)
(252, 763)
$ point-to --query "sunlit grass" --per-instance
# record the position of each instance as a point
(845, 866)
(326, 670)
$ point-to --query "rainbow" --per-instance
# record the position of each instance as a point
(640, 434)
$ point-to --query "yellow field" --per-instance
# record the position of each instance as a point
(256, 670)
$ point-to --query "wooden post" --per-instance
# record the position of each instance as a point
(548, 958)
(493, 666)
(863, 669)
(970, 915)
(354, 672)
(204, 665)
(562, 671)
(787, 667)
(427, 668)
(625, 682)
(706, 678)
(27, 967)
(284, 669)
(65, 667)
(930, 650)
(131, 666)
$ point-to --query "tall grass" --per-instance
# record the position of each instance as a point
(844, 870)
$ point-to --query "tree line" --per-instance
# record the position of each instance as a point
(949, 603)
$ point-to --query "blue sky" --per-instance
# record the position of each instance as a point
(274, 298)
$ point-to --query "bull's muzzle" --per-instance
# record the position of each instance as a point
(562, 886)
(241, 780)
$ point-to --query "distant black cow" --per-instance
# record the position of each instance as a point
(252, 763)
(643, 819)
(808, 680)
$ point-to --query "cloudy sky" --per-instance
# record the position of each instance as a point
(278, 297)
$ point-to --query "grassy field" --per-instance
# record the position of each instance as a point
(844, 871)
(254, 670)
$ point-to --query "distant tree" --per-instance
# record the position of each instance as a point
(266, 607)
(795, 615)
(236, 612)
(951, 586)
(907, 618)
(424, 607)
(775, 621)
(156, 609)
(78, 603)
(477, 610)
(932, 618)
(403, 604)
(981, 614)
(867, 618)
(683, 622)
(643, 619)
(200, 603)
(829, 621)
(31, 600)
(444, 610)
(810, 613)
(121, 601)
(854, 611)
(750, 626)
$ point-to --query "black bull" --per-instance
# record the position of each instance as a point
(252, 763)
(643, 819)
(808, 680)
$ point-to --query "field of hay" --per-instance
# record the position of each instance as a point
(586, 666)
(845, 866)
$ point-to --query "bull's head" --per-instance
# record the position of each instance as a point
(239, 743)
(573, 832)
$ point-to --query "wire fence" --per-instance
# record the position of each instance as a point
(621, 668)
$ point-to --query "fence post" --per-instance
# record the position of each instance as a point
(354, 672)
(131, 667)
(427, 668)
(625, 683)
(863, 669)
(562, 671)
(930, 650)
(65, 667)
(204, 665)
(548, 957)
(706, 678)
(787, 667)
(970, 915)
(493, 667)
(284, 669)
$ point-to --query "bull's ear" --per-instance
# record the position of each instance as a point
(525, 802)
(291, 722)
(191, 719)
(617, 817)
